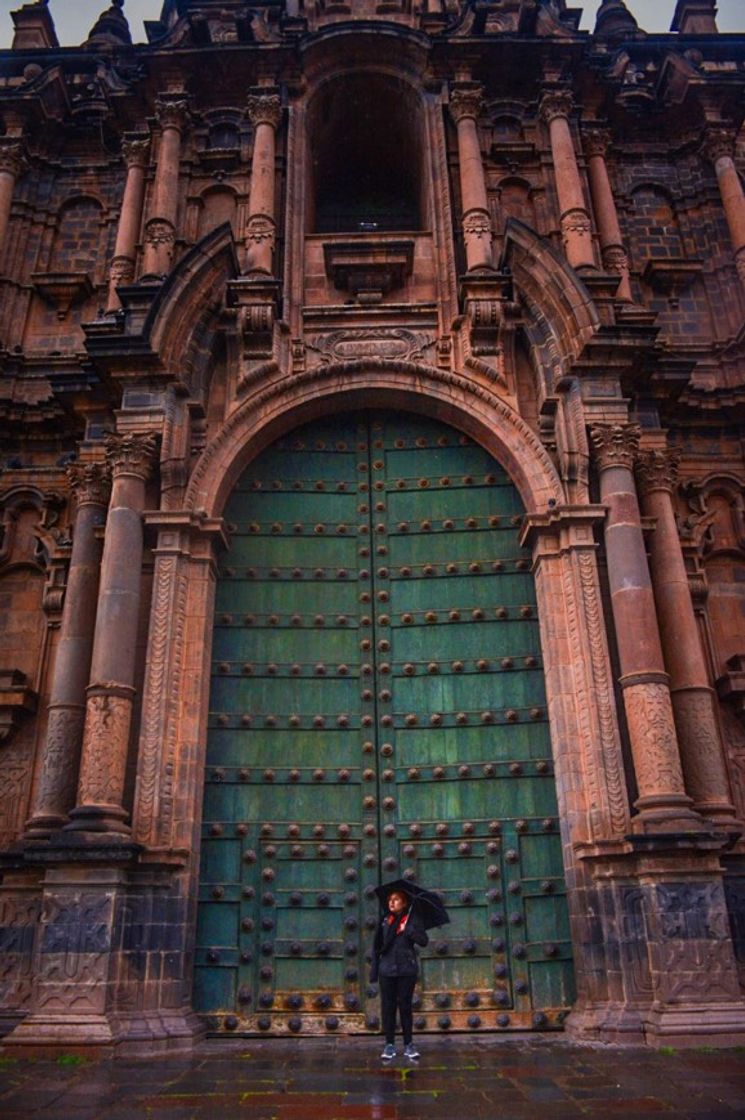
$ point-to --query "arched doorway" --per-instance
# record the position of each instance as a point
(378, 710)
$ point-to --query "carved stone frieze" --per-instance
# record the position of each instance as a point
(615, 445)
(652, 729)
(375, 342)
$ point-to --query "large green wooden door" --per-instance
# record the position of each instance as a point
(378, 710)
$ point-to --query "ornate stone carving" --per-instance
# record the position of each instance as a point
(596, 141)
(575, 221)
(172, 113)
(615, 259)
(658, 469)
(377, 342)
(58, 779)
(106, 737)
(718, 142)
(264, 108)
(260, 228)
(121, 271)
(615, 445)
(90, 483)
(651, 728)
(12, 158)
(159, 231)
(132, 454)
(740, 263)
(695, 719)
(556, 103)
(476, 225)
(135, 152)
(19, 918)
(466, 104)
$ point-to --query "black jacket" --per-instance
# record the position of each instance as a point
(394, 953)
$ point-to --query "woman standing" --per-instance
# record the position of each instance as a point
(395, 966)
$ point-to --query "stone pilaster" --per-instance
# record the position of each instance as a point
(662, 803)
(160, 228)
(111, 689)
(465, 105)
(54, 795)
(122, 270)
(12, 163)
(718, 148)
(576, 230)
(264, 111)
(615, 258)
(693, 699)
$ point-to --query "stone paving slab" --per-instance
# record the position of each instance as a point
(459, 1078)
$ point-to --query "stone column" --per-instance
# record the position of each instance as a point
(693, 699)
(55, 791)
(611, 243)
(11, 166)
(111, 689)
(264, 111)
(123, 264)
(576, 230)
(718, 147)
(465, 105)
(160, 229)
(662, 803)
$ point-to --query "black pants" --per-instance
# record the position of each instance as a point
(397, 992)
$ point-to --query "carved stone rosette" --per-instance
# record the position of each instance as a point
(556, 103)
(658, 469)
(466, 104)
(264, 108)
(131, 454)
(90, 483)
(615, 445)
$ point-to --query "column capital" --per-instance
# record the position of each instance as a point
(615, 445)
(131, 454)
(718, 141)
(90, 483)
(556, 103)
(264, 108)
(135, 152)
(172, 112)
(658, 469)
(596, 140)
(466, 103)
(12, 156)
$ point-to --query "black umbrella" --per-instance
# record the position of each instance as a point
(428, 905)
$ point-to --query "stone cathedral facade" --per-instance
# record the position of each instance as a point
(372, 506)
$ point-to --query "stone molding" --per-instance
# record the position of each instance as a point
(131, 454)
(264, 108)
(90, 483)
(615, 445)
(657, 469)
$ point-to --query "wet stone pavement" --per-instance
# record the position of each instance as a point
(484, 1078)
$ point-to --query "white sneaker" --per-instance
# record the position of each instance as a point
(411, 1051)
(389, 1052)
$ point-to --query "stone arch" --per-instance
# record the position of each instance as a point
(280, 403)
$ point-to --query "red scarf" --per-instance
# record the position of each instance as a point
(402, 922)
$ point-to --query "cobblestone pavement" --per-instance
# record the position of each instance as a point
(485, 1078)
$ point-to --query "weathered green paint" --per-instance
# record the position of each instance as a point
(378, 709)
